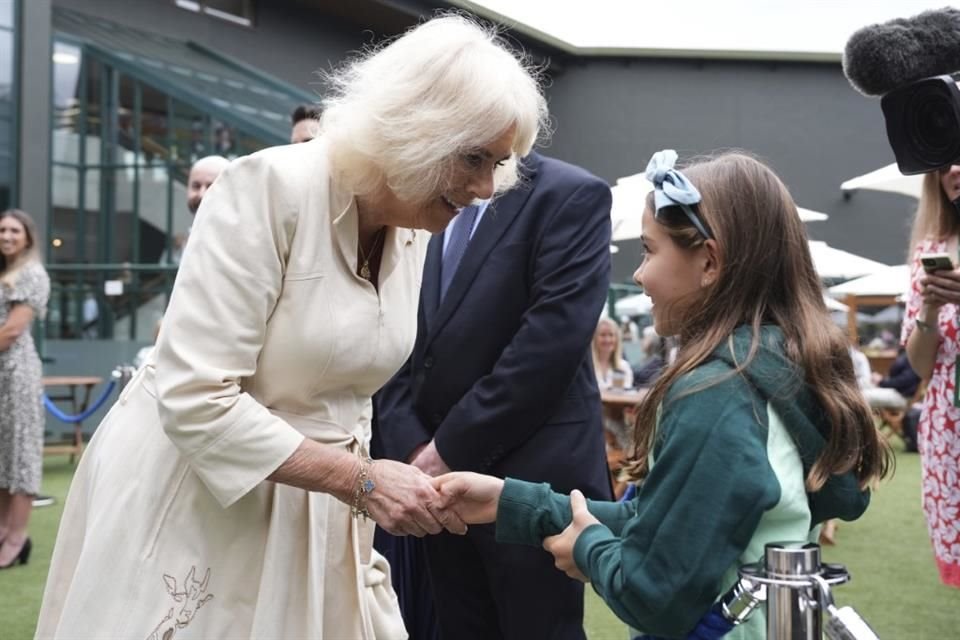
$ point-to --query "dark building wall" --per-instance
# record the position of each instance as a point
(287, 40)
(803, 119)
(610, 115)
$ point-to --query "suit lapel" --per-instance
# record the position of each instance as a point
(496, 220)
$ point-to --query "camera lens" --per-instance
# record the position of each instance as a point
(932, 126)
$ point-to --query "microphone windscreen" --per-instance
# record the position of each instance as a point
(882, 57)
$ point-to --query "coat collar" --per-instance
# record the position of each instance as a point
(346, 228)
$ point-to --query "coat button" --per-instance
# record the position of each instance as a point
(428, 362)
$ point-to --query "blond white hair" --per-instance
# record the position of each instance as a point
(401, 114)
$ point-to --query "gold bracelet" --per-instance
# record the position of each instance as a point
(365, 487)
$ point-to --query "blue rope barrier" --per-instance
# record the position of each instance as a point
(80, 417)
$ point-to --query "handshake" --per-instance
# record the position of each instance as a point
(429, 505)
(406, 503)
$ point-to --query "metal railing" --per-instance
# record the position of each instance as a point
(98, 301)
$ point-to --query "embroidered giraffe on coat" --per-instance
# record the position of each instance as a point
(192, 598)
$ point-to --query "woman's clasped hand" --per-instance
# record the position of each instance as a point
(404, 502)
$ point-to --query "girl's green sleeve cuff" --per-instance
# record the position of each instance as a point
(528, 512)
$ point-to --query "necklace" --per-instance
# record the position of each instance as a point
(365, 256)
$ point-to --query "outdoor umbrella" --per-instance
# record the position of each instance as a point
(888, 281)
(886, 178)
(635, 305)
(837, 264)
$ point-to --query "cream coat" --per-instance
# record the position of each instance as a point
(170, 529)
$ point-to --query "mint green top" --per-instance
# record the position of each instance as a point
(728, 476)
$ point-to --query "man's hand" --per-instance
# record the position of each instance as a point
(429, 461)
(473, 496)
(561, 546)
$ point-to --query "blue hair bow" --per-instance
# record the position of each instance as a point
(672, 189)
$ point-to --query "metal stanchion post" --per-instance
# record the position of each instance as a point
(797, 590)
(792, 608)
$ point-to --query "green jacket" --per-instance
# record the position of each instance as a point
(728, 471)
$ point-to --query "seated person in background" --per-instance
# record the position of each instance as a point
(655, 358)
(608, 363)
(861, 367)
(905, 381)
(901, 377)
(612, 370)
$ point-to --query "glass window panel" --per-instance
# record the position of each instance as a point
(152, 213)
(154, 123)
(6, 62)
(7, 106)
(123, 214)
(225, 140)
(94, 72)
(191, 134)
(74, 232)
(63, 226)
(88, 222)
(248, 144)
(131, 144)
(6, 15)
(67, 59)
(110, 152)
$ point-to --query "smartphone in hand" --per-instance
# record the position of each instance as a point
(936, 262)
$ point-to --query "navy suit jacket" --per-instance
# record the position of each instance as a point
(501, 375)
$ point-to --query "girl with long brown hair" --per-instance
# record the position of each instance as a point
(756, 433)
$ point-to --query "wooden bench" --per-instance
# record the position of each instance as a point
(70, 387)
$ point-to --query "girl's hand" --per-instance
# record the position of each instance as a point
(473, 496)
(561, 546)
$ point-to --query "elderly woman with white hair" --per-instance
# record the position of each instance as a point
(228, 493)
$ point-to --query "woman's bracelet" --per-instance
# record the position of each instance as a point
(365, 486)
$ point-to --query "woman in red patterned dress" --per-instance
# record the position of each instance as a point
(931, 333)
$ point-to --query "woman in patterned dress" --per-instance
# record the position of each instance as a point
(24, 289)
(932, 339)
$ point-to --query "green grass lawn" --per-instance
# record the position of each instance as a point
(21, 588)
(895, 585)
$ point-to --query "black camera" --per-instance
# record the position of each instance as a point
(923, 124)
(908, 61)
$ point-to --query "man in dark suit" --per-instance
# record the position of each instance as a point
(501, 382)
